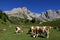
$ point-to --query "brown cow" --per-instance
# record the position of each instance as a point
(35, 30)
(45, 30)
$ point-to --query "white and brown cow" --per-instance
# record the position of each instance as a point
(45, 30)
(35, 30)
(19, 29)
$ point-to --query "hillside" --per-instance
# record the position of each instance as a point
(4, 20)
(54, 23)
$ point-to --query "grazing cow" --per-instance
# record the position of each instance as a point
(35, 30)
(19, 29)
(45, 30)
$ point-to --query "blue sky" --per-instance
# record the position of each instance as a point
(33, 5)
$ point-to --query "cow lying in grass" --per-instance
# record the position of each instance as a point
(35, 30)
(19, 29)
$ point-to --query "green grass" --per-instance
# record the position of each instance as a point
(10, 34)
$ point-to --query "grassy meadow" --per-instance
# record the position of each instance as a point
(9, 33)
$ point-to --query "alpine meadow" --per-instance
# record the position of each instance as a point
(8, 23)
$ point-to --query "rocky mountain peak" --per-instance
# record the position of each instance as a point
(25, 13)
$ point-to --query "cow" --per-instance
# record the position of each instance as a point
(18, 29)
(33, 30)
(45, 30)
(36, 30)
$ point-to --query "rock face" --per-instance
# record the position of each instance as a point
(51, 15)
(23, 12)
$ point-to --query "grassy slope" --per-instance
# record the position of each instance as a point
(52, 23)
(10, 35)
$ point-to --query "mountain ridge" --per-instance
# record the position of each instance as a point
(24, 12)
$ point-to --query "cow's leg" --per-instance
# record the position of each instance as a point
(40, 31)
(34, 36)
(47, 34)
(32, 31)
(37, 33)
